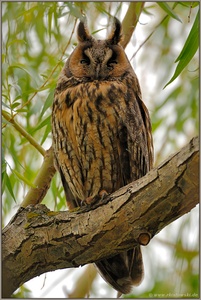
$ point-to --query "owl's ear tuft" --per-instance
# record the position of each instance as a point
(83, 34)
(116, 34)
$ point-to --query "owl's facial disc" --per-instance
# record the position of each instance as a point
(102, 61)
(97, 62)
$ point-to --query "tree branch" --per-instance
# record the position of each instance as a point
(130, 21)
(42, 181)
(37, 240)
(23, 132)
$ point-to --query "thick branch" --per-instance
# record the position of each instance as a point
(37, 240)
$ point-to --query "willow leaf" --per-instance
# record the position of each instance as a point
(187, 53)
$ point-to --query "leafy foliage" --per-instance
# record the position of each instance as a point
(37, 37)
(190, 47)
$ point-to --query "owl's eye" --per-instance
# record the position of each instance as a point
(110, 64)
(85, 61)
(112, 61)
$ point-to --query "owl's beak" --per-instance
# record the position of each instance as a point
(97, 71)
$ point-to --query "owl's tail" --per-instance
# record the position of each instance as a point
(122, 271)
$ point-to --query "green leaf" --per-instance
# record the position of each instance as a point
(14, 105)
(189, 3)
(74, 11)
(192, 42)
(47, 131)
(187, 53)
(15, 41)
(4, 104)
(169, 10)
(21, 67)
(45, 122)
(9, 186)
(21, 177)
(49, 24)
(3, 164)
(48, 102)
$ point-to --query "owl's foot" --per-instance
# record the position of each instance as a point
(90, 200)
(101, 195)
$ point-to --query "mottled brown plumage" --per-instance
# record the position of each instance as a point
(101, 134)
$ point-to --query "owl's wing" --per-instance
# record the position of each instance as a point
(136, 159)
(70, 199)
(136, 144)
(147, 135)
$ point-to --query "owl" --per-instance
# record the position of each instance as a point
(101, 135)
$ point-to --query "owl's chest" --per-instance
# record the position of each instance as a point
(89, 123)
(95, 111)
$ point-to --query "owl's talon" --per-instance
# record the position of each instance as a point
(103, 194)
(82, 203)
(89, 200)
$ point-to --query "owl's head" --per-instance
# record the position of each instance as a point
(98, 59)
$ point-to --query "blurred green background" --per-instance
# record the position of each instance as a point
(37, 38)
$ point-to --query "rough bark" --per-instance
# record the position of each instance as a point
(38, 240)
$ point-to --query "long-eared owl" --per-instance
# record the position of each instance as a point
(101, 134)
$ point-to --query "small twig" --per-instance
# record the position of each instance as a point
(54, 69)
(42, 181)
(23, 132)
(148, 37)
